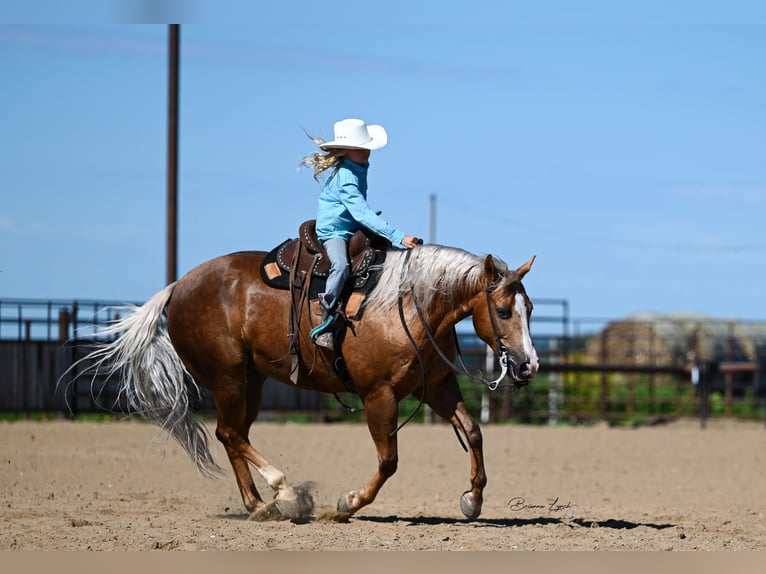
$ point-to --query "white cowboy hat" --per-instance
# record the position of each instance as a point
(355, 134)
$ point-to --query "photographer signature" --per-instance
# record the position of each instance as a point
(518, 503)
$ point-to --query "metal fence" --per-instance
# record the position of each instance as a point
(41, 341)
(43, 376)
(595, 370)
(55, 320)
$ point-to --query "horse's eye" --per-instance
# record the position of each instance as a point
(504, 312)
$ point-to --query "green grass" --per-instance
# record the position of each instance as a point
(631, 400)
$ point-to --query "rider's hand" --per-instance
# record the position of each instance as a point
(411, 241)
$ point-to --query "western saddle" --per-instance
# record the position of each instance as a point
(301, 266)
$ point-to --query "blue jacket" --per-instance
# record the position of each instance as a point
(342, 206)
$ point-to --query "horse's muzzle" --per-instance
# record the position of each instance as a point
(523, 372)
(527, 370)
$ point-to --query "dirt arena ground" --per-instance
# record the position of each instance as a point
(102, 486)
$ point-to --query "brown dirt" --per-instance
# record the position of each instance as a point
(101, 486)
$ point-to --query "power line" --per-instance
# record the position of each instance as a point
(498, 217)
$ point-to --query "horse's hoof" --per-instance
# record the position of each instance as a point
(297, 505)
(469, 507)
(268, 513)
(290, 510)
(343, 506)
(348, 504)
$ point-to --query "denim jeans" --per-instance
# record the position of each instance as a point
(337, 251)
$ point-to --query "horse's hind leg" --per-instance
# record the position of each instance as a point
(238, 407)
(382, 410)
(447, 401)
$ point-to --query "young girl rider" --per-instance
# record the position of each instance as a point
(343, 209)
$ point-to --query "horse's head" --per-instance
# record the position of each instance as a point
(501, 319)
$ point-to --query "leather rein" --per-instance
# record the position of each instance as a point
(504, 358)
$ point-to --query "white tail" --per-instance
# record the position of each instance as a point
(154, 380)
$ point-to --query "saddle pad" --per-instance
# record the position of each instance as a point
(275, 275)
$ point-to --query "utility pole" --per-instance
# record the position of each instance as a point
(172, 168)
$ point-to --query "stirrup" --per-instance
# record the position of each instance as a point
(323, 326)
(325, 340)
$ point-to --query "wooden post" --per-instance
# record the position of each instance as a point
(706, 379)
(705, 403)
(73, 318)
(652, 380)
(604, 397)
(728, 377)
(64, 319)
(630, 382)
(172, 171)
(758, 385)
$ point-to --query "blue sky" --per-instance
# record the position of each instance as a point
(623, 143)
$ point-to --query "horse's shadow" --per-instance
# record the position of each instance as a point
(616, 524)
(612, 523)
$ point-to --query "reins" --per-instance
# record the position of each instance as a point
(503, 358)
(418, 354)
(491, 385)
(421, 362)
(463, 370)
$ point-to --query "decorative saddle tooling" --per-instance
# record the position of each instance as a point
(305, 258)
(301, 266)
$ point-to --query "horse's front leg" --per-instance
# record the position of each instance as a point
(447, 401)
(382, 412)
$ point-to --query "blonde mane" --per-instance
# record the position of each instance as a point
(429, 271)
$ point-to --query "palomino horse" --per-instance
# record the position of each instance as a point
(222, 327)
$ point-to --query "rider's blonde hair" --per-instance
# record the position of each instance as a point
(321, 162)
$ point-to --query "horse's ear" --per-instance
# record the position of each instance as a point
(490, 271)
(524, 269)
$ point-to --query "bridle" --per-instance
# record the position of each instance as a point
(504, 357)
